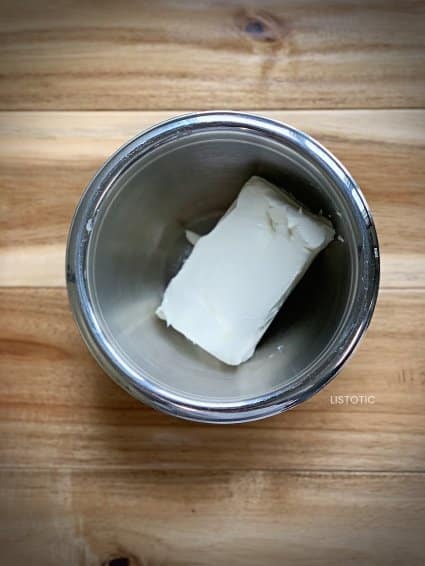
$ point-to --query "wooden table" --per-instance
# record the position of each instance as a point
(90, 476)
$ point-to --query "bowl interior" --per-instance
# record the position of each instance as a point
(138, 243)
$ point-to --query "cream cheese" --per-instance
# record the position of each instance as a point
(237, 277)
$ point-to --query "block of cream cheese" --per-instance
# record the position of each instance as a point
(237, 277)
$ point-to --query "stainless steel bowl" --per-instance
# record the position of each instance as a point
(127, 240)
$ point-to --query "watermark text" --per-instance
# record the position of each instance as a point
(353, 399)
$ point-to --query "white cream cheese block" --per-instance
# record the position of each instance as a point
(237, 277)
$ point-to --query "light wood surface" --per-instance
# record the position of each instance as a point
(88, 474)
(384, 150)
(205, 54)
(59, 410)
(192, 519)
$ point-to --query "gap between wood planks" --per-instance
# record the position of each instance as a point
(178, 111)
(302, 472)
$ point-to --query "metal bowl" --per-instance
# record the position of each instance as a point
(127, 240)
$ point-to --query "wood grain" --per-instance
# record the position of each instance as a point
(87, 473)
(47, 158)
(59, 409)
(200, 519)
(206, 54)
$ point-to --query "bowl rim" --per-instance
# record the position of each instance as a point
(79, 236)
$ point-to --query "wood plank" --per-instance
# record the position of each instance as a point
(192, 518)
(160, 55)
(46, 159)
(59, 409)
